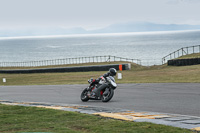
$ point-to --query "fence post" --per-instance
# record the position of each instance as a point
(174, 55)
(178, 53)
(182, 51)
(187, 50)
(199, 48)
(58, 63)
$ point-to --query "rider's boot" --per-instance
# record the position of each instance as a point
(94, 93)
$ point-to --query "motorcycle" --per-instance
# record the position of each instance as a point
(105, 90)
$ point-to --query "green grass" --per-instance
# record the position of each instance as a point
(196, 55)
(16, 119)
(138, 74)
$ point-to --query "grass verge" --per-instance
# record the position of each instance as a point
(195, 55)
(138, 74)
(32, 119)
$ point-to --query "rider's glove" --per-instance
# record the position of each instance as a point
(90, 80)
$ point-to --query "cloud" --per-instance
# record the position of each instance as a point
(172, 2)
(175, 2)
(190, 1)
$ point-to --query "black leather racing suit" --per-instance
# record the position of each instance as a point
(96, 81)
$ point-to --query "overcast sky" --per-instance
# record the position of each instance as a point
(92, 14)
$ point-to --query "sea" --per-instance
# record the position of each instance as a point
(149, 47)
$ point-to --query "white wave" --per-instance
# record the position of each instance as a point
(53, 46)
(98, 34)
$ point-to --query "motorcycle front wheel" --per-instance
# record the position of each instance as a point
(84, 96)
(108, 97)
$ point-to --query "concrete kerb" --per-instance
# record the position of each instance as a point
(175, 120)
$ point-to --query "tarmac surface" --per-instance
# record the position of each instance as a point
(175, 104)
(176, 98)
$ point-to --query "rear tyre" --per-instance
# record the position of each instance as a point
(84, 96)
(108, 97)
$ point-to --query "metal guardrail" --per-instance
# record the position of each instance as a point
(181, 52)
(79, 60)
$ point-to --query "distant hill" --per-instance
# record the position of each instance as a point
(145, 27)
(114, 28)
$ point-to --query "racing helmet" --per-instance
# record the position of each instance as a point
(112, 71)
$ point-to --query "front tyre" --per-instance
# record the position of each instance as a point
(84, 96)
(108, 97)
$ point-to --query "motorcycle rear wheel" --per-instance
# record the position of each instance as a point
(108, 97)
(84, 96)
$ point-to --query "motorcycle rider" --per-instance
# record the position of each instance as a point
(112, 72)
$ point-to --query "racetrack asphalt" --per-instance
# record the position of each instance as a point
(174, 98)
